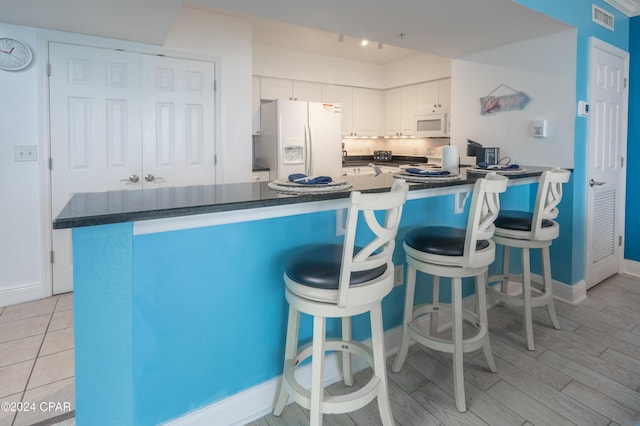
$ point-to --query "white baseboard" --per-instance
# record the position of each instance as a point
(572, 294)
(258, 401)
(21, 294)
(631, 267)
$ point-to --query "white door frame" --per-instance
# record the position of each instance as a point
(619, 215)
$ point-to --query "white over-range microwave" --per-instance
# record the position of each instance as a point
(431, 125)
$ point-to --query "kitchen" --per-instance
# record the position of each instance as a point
(464, 102)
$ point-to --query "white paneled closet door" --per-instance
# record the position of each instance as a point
(605, 173)
(95, 126)
(120, 121)
(178, 111)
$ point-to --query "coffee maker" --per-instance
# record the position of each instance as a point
(490, 156)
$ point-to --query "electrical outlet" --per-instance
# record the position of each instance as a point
(25, 153)
(398, 275)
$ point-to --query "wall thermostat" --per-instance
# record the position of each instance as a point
(539, 128)
(583, 108)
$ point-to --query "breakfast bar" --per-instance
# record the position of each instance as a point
(179, 300)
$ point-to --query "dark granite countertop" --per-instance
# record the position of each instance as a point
(89, 209)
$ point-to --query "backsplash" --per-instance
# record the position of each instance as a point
(402, 146)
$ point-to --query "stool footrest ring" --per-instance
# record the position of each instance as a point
(517, 299)
(470, 344)
(332, 404)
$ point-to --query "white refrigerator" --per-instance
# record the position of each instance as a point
(300, 137)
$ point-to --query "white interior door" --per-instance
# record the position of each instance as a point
(178, 117)
(605, 171)
(95, 133)
(110, 108)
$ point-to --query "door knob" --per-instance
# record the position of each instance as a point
(593, 183)
(132, 179)
(150, 178)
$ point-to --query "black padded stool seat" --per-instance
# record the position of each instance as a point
(319, 266)
(440, 240)
(518, 220)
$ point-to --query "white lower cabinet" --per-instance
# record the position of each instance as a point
(260, 176)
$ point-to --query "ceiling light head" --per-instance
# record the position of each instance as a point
(403, 36)
(364, 42)
(340, 38)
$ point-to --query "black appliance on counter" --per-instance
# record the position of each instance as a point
(382, 156)
(490, 156)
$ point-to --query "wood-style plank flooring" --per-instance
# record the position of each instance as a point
(587, 373)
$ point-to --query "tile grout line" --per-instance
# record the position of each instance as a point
(36, 360)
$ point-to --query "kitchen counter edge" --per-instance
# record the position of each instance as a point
(102, 208)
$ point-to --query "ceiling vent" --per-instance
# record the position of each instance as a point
(602, 17)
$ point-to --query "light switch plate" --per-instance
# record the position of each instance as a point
(25, 153)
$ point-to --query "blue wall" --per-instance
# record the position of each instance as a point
(632, 227)
(578, 14)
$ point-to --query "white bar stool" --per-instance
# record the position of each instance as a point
(526, 230)
(340, 281)
(454, 253)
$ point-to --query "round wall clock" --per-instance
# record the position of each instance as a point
(14, 54)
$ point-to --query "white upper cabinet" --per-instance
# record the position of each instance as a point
(367, 112)
(433, 95)
(393, 111)
(361, 109)
(306, 91)
(341, 95)
(400, 106)
(279, 88)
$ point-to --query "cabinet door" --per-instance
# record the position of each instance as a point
(393, 111)
(342, 95)
(428, 96)
(275, 88)
(408, 109)
(306, 91)
(444, 92)
(367, 112)
(255, 106)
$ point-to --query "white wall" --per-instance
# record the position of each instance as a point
(227, 40)
(416, 69)
(21, 184)
(285, 63)
(545, 69)
(24, 190)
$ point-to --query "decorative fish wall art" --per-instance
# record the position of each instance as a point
(515, 101)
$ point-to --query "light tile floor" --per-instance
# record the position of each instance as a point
(36, 360)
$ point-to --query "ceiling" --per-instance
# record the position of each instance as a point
(450, 28)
